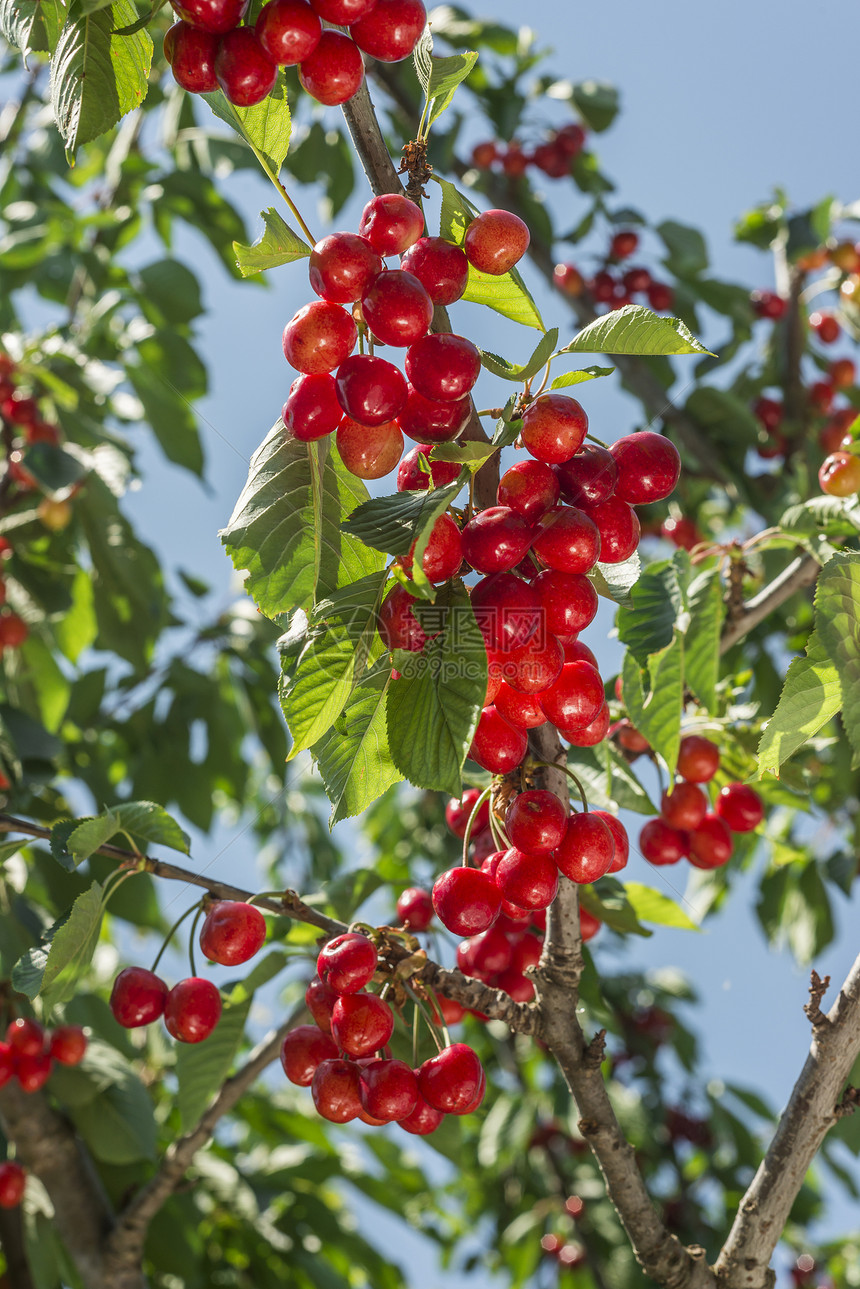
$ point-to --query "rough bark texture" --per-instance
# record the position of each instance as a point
(800, 573)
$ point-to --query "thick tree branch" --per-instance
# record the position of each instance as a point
(744, 1262)
(800, 573)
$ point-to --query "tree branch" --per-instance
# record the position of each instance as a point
(800, 573)
(18, 1275)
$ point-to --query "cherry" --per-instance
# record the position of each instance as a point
(450, 1011)
(571, 138)
(769, 411)
(343, 265)
(567, 540)
(13, 1183)
(391, 29)
(767, 304)
(660, 843)
(312, 409)
(288, 31)
(192, 1010)
(648, 467)
(428, 420)
(457, 813)
(498, 746)
(320, 999)
(587, 849)
(397, 625)
(347, 962)
(515, 162)
(496, 539)
(534, 666)
(452, 1080)
(191, 56)
(591, 734)
(698, 759)
(495, 241)
(412, 477)
(507, 610)
(484, 955)
(529, 881)
(388, 1090)
(68, 1044)
(843, 373)
(684, 807)
(440, 266)
(303, 1050)
(636, 280)
(660, 296)
(26, 1037)
(568, 279)
(466, 900)
(370, 390)
(623, 244)
(13, 631)
(588, 478)
(415, 908)
(529, 488)
(522, 710)
(218, 16)
(334, 1089)
(138, 997)
(536, 821)
(443, 554)
(619, 838)
(589, 925)
(396, 308)
(575, 698)
(245, 72)
(443, 367)
(361, 1023)
(232, 932)
(424, 1119)
(369, 451)
(332, 73)
(710, 843)
(391, 222)
(825, 326)
(740, 807)
(602, 287)
(839, 474)
(526, 953)
(33, 1072)
(554, 427)
(320, 336)
(342, 12)
(618, 525)
(629, 738)
(821, 394)
(833, 435)
(568, 601)
(681, 532)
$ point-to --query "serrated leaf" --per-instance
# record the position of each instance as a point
(52, 969)
(391, 524)
(353, 758)
(635, 330)
(148, 822)
(655, 606)
(522, 372)
(286, 526)
(830, 516)
(653, 906)
(656, 713)
(278, 245)
(811, 696)
(837, 624)
(89, 835)
(446, 74)
(577, 377)
(702, 640)
(96, 75)
(608, 779)
(60, 834)
(201, 1068)
(470, 454)
(33, 26)
(616, 581)
(267, 125)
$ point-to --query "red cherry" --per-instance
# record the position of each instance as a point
(660, 296)
(495, 241)
(629, 738)
(391, 223)
(138, 997)
(515, 162)
(710, 843)
(369, 451)
(839, 474)
(506, 609)
(192, 57)
(303, 1050)
(388, 1090)
(522, 710)
(843, 373)
(342, 12)
(623, 244)
(587, 849)
(684, 807)
(567, 540)
(347, 962)
(217, 16)
(332, 73)
(767, 304)
(526, 953)
(821, 394)
(619, 838)
(245, 72)
(618, 525)
(698, 759)
(192, 1010)
(568, 600)
(534, 666)
(636, 280)
(312, 409)
(591, 734)
(26, 1037)
(443, 367)
(396, 308)
(466, 900)
(320, 336)
(530, 488)
(457, 813)
(13, 1183)
(397, 625)
(424, 1119)
(681, 532)
(369, 389)
(232, 932)
(427, 420)
(662, 844)
(554, 428)
(536, 821)
(588, 478)
(740, 807)
(497, 746)
(443, 554)
(342, 266)
(13, 631)
(568, 279)
(576, 651)
(440, 266)
(602, 287)
(288, 31)
(361, 1023)
(68, 1044)
(496, 539)
(334, 1089)
(391, 29)
(483, 956)
(826, 327)
(452, 1080)
(589, 925)
(415, 908)
(575, 698)
(411, 476)
(529, 881)
(320, 999)
(769, 411)
(648, 467)
(33, 1072)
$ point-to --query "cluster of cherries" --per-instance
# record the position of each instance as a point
(209, 47)
(30, 1051)
(616, 288)
(366, 400)
(232, 932)
(339, 1056)
(554, 156)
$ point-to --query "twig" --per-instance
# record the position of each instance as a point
(817, 989)
(800, 573)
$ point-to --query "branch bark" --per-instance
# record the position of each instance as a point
(800, 573)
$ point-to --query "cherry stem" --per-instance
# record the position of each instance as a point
(467, 835)
(415, 1037)
(265, 895)
(271, 175)
(599, 442)
(542, 386)
(116, 879)
(431, 1024)
(191, 941)
(554, 765)
(172, 932)
(499, 833)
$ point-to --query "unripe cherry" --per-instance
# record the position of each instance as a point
(839, 474)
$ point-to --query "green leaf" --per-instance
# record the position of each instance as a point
(646, 624)
(688, 254)
(837, 623)
(434, 707)
(354, 759)
(148, 822)
(653, 906)
(506, 294)
(512, 371)
(267, 126)
(827, 516)
(201, 1068)
(118, 1124)
(96, 75)
(278, 245)
(577, 377)
(33, 26)
(445, 75)
(171, 287)
(635, 330)
(86, 839)
(346, 893)
(286, 526)
(598, 102)
(77, 629)
(616, 581)
(54, 469)
(53, 969)
(391, 524)
(470, 454)
(811, 696)
(608, 780)
(702, 640)
(609, 902)
(657, 713)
